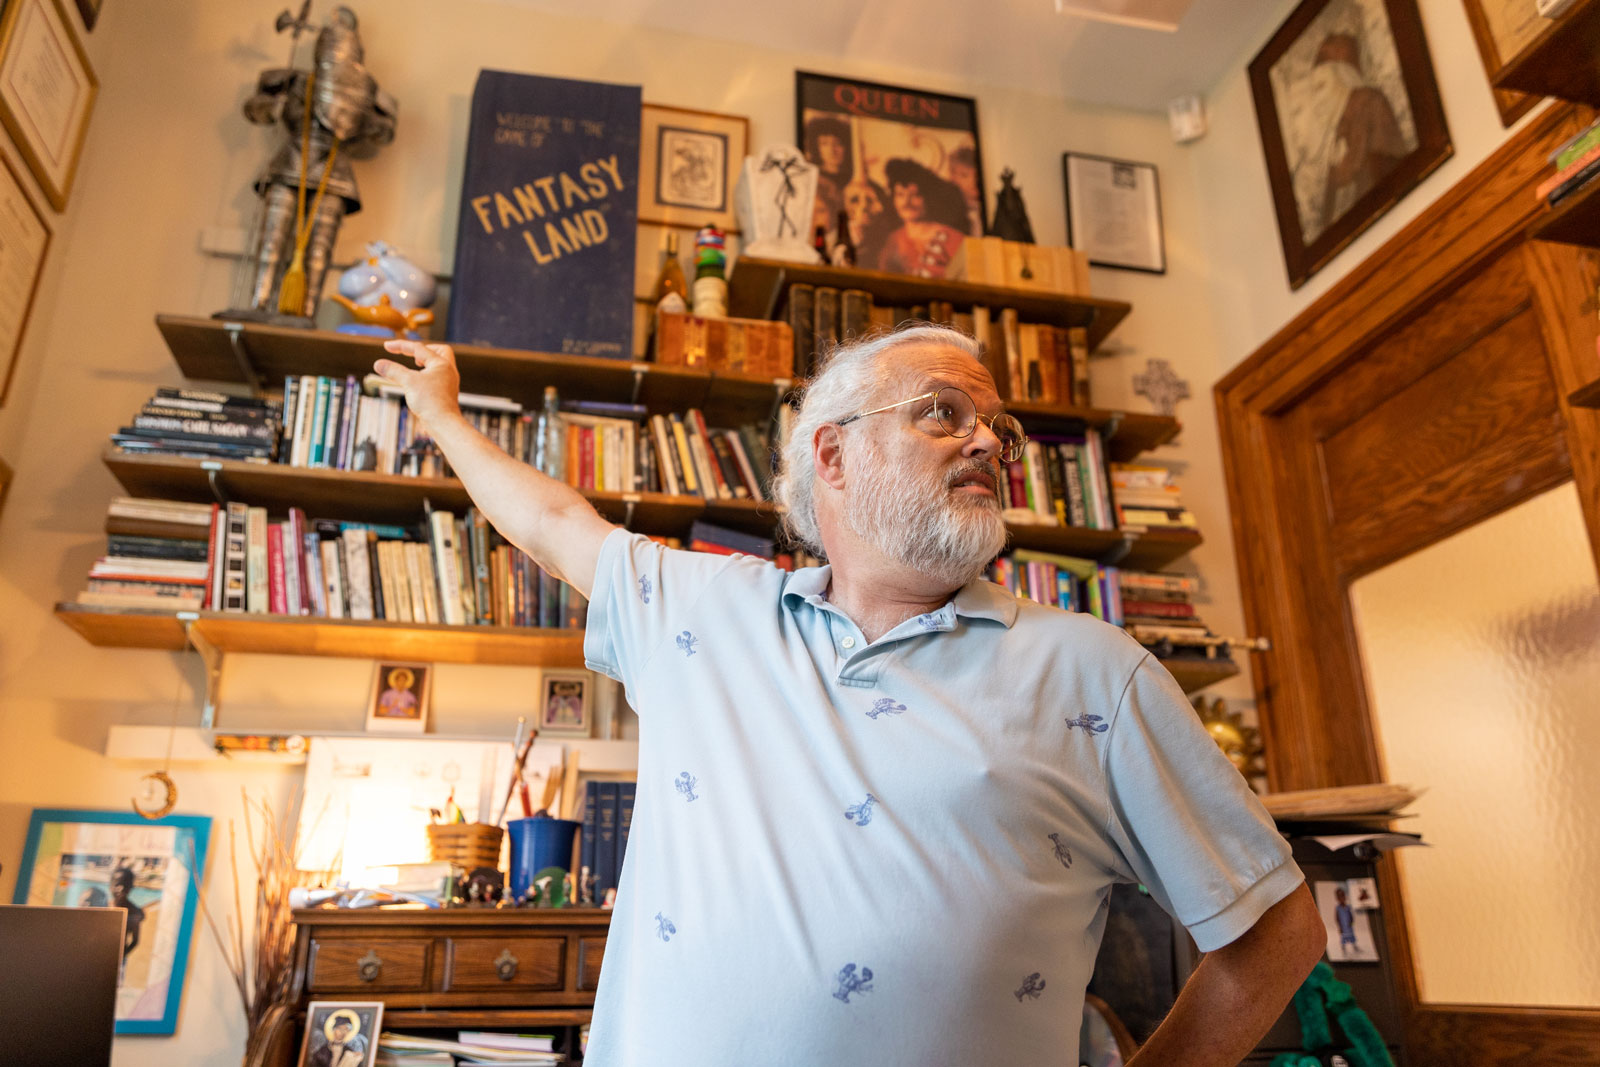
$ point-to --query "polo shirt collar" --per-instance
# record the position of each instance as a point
(978, 599)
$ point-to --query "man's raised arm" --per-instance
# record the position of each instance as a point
(547, 519)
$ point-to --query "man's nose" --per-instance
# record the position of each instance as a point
(983, 442)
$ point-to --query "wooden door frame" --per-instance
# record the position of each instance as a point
(1309, 688)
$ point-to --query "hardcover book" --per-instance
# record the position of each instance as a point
(549, 197)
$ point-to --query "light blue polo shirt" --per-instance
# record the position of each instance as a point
(897, 852)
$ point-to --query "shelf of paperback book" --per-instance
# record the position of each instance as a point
(305, 636)
(756, 288)
(1574, 221)
(1560, 62)
(262, 356)
(368, 496)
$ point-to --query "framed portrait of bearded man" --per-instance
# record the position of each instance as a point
(903, 165)
(1350, 121)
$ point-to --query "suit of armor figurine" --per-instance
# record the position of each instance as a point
(349, 117)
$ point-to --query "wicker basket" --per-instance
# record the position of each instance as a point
(466, 844)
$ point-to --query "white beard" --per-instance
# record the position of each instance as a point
(917, 520)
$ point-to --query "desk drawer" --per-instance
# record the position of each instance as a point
(523, 963)
(591, 950)
(361, 965)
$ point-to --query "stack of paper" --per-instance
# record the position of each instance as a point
(474, 1054)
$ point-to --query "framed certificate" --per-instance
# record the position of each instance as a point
(47, 90)
(1114, 212)
(24, 239)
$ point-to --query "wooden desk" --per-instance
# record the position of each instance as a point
(469, 967)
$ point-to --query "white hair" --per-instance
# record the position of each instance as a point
(852, 379)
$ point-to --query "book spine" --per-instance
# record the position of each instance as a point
(214, 564)
(700, 445)
(447, 567)
(626, 791)
(666, 456)
(685, 461)
(549, 600)
(358, 573)
(380, 606)
(256, 600)
(587, 840)
(605, 845)
(277, 588)
(747, 470)
(1078, 516)
(827, 324)
(481, 567)
(300, 439)
(802, 322)
(289, 549)
(332, 577)
(235, 557)
(1015, 386)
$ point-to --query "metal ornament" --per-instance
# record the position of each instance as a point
(162, 781)
(1240, 743)
(1161, 386)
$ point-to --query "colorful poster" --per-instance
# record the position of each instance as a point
(549, 199)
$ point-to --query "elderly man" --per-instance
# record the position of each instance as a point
(913, 792)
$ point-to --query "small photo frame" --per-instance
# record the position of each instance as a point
(341, 1033)
(47, 91)
(1349, 930)
(400, 697)
(688, 164)
(1114, 212)
(1363, 893)
(566, 704)
(150, 868)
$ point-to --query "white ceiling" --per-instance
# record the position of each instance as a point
(1020, 44)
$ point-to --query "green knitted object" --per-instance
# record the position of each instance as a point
(1322, 995)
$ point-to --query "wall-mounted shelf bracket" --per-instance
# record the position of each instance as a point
(211, 655)
(247, 371)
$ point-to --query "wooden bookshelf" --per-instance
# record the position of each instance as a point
(393, 498)
(1195, 673)
(1587, 396)
(1128, 434)
(1563, 61)
(756, 288)
(288, 635)
(1574, 221)
(262, 356)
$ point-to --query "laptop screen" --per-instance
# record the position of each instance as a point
(58, 987)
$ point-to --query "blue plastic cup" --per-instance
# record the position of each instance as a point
(537, 844)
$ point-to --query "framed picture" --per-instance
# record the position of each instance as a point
(341, 1033)
(1503, 28)
(688, 164)
(47, 91)
(24, 240)
(1349, 930)
(1114, 212)
(149, 867)
(904, 166)
(1350, 121)
(399, 701)
(566, 704)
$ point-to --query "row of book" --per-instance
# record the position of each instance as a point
(1576, 162)
(208, 425)
(469, 1048)
(1032, 362)
(173, 555)
(607, 818)
(1112, 594)
(1060, 481)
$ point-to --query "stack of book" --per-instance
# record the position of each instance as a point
(1060, 481)
(186, 422)
(758, 347)
(455, 571)
(156, 556)
(1146, 497)
(1577, 163)
(471, 1048)
(607, 819)
(1065, 582)
(1029, 361)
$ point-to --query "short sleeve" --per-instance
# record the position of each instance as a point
(1183, 818)
(642, 589)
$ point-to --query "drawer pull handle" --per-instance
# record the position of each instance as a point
(368, 967)
(505, 965)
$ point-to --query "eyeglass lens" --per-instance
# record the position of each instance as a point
(958, 417)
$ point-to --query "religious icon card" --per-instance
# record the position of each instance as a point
(341, 1033)
(566, 704)
(399, 700)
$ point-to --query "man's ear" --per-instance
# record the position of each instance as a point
(827, 454)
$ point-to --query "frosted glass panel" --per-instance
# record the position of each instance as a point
(1482, 655)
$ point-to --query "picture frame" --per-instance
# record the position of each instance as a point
(1348, 928)
(566, 703)
(92, 858)
(400, 697)
(689, 162)
(1338, 70)
(869, 140)
(358, 1022)
(1114, 212)
(24, 244)
(47, 92)
(1502, 28)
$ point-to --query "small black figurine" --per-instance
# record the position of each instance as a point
(1010, 217)
(484, 886)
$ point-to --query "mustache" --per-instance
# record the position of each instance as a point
(988, 470)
